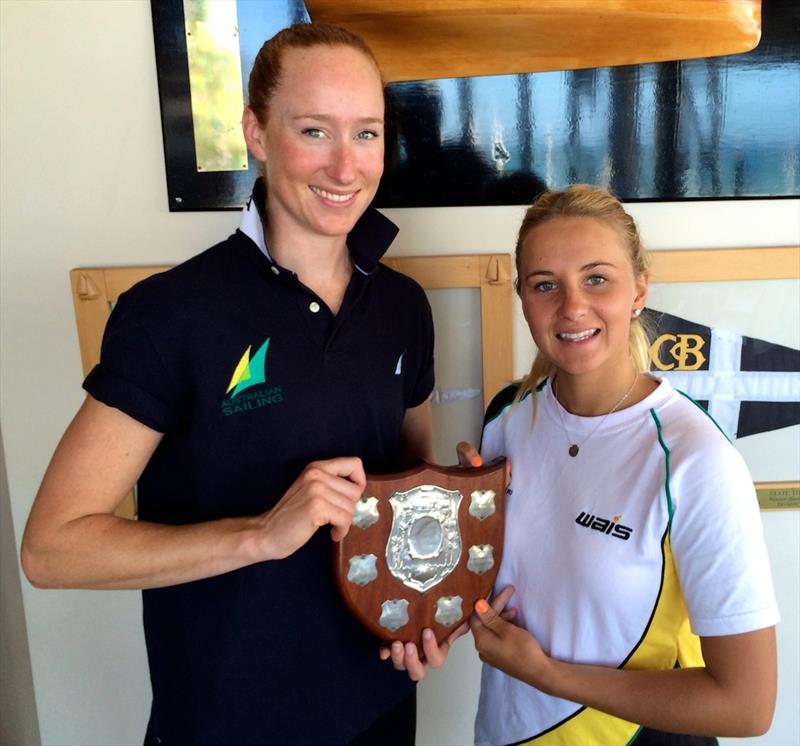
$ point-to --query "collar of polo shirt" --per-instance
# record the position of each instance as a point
(369, 240)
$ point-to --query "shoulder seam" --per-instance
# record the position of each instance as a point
(665, 448)
(705, 412)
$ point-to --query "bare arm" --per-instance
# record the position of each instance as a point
(73, 540)
(416, 440)
(734, 695)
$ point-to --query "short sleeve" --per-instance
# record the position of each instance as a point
(718, 544)
(493, 434)
(132, 375)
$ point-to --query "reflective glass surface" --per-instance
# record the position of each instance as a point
(715, 128)
(699, 129)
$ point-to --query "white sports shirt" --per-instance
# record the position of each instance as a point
(654, 526)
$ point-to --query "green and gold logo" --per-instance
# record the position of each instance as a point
(249, 373)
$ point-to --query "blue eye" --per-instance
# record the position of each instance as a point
(595, 280)
(544, 287)
(313, 132)
(367, 135)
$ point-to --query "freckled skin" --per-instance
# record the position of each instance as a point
(324, 130)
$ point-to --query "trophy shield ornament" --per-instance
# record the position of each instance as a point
(425, 544)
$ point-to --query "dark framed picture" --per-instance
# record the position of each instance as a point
(714, 128)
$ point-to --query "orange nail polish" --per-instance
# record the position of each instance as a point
(481, 606)
(476, 461)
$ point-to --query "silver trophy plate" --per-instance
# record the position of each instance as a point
(482, 504)
(394, 614)
(481, 558)
(448, 610)
(362, 569)
(424, 543)
(366, 512)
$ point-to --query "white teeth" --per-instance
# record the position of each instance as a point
(331, 196)
(578, 336)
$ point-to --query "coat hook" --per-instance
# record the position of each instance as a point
(87, 290)
(495, 273)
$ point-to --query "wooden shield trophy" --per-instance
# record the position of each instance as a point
(424, 546)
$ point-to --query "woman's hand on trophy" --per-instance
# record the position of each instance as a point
(406, 657)
(501, 643)
(468, 455)
(325, 493)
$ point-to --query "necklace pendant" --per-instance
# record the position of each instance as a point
(573, 450)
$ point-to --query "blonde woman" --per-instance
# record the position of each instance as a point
(644, 601)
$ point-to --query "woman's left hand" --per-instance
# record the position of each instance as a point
(406, 657)
(503, 644)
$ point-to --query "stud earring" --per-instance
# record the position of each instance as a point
(636, 312)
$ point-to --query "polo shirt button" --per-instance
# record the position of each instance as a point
(275, 270)
(313, 306)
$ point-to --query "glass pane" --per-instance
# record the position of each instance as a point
(458, 396)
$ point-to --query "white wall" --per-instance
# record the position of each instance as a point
(18, 721)
(83, 183)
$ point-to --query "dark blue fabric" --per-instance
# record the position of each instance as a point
(268, 653)
(650, 737)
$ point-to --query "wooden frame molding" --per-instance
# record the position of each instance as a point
(719, 265)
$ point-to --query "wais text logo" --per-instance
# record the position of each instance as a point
(610, 526)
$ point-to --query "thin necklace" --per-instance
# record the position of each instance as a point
(575, 448)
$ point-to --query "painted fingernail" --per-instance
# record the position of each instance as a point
(476, 461)
(481, 606)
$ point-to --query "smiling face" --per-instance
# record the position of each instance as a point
(578, 294)
(322, 144)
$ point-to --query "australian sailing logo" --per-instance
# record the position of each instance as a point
(248, 388)
(610, 526)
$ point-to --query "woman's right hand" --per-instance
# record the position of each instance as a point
(468, 455)
(326, 492)
(74, 540)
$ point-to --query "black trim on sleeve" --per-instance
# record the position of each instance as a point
(501, 400)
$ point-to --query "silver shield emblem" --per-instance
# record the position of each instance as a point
(362, 569)
(425, 542)
(448, 610)
(366, 512)
(394, 614)
(481, 558)
(481, 505)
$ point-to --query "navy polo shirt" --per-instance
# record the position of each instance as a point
(250, 377)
